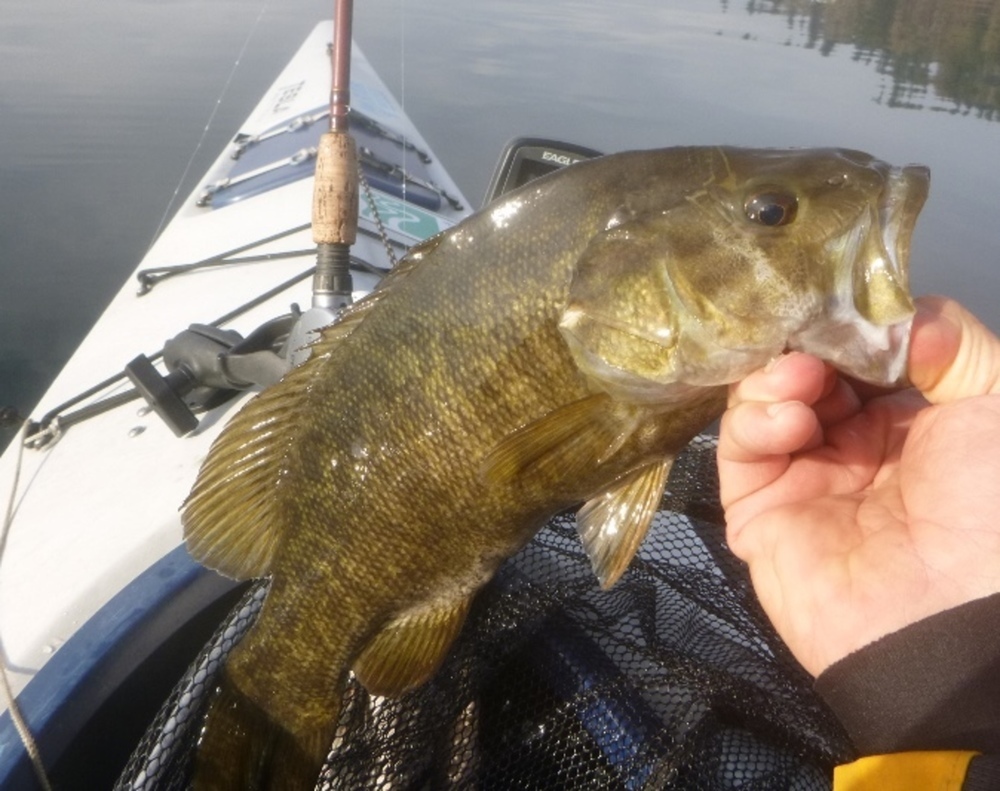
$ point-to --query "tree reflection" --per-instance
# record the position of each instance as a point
(940, 55)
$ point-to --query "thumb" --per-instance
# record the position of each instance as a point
(952, 354)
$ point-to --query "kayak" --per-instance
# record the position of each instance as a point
(96, 587)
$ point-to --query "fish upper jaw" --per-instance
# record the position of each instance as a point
(901, 201)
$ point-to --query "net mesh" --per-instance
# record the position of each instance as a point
(672, 679)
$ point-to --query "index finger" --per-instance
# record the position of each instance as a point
(769, 417)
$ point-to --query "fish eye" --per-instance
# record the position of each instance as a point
(771, 208)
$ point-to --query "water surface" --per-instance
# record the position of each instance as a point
(103, 103)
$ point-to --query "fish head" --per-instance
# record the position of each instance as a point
(763, 251)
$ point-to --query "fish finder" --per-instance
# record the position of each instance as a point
(527, 158)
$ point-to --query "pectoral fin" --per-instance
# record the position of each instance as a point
(569, 440)
(613, 524)
(410, 649)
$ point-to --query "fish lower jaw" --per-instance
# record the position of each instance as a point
(855, 347)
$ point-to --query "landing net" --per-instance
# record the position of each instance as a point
(673, 679)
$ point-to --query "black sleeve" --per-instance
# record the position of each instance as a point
(934, 685)
(983, 774)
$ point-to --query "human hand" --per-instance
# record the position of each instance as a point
(859, 512)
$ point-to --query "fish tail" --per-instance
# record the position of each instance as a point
(242, 748)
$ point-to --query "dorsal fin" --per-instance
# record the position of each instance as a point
(352, 316)
(230, 519)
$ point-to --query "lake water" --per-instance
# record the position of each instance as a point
(103, 103)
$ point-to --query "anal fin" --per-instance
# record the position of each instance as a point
(613, 524)
(408, 651)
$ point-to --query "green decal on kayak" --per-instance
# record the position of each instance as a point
(404, 218)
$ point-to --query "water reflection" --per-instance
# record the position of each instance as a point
(940, 55)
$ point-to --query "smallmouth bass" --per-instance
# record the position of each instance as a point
(557, 348)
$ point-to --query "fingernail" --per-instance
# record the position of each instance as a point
(774, 362)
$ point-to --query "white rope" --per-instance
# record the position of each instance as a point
(402, 76)
(23, 731)
(208, 126)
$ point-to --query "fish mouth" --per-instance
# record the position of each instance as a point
(865, 332)
(878, 255)
(886, 304)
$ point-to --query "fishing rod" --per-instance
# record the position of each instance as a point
(335, 194)
(335, 199)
